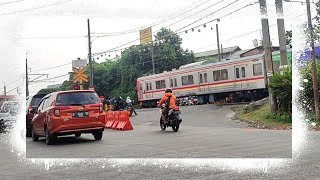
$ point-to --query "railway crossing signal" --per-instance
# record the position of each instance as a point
(80, 76)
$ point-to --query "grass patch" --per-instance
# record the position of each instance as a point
(261, 116)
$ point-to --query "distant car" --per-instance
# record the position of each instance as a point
(68, 112)
(32, 104)
(11, 107)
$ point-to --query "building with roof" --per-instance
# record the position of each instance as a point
(213, 54)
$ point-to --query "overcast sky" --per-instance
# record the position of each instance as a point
(55, 35)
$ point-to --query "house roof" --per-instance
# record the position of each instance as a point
(215, 52)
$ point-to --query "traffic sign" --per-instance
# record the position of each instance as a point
(80, 76)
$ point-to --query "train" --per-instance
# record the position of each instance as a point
(230, 80)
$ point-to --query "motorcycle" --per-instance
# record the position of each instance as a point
(129, 109)
(173, 119)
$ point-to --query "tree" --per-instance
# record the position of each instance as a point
(289, 38)
(281, 86)
(119, 78)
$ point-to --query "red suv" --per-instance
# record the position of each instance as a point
(66, 113)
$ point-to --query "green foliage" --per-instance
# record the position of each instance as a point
(306, 96)
(280, 117)
(119, 78)
(288, 38)
(281, 86)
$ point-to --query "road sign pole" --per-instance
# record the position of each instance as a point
(81, 86)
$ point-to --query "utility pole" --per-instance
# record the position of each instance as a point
(89, 56)
(27, 80)
(313, 61)
(267, 51)
(281, 33)
(5, 92)
(221, 52)
(218, 44)
(152, 56)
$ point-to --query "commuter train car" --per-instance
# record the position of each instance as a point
(234, 80)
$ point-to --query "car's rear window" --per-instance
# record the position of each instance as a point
(79, 98)
(35, 101)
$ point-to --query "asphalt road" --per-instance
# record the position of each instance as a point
(305, 166)
(206, 132)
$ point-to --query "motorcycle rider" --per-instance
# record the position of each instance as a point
(130, 103)
(168, 96)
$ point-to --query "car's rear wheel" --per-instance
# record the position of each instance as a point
(34, 136)
(29, 132)
(49, 137)
(98, 135)
(78, 134)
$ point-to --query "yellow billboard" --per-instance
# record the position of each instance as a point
(145, 36)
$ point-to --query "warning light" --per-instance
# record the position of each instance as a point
(76, 87)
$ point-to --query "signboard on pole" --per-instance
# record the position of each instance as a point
(145, 36)
(79, 63)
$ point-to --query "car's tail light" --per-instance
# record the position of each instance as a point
(176, 108)
(30, 108)
(101, 108)
(56, 110)
(100, 105)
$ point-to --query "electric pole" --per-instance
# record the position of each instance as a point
(152, 56)
(267, 51)
(217, 30)
(5, 92)
(27, 80)
(89, 56)
(281, 33)
(313, 61)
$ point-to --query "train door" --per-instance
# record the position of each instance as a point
(203, 82)
(140, 90)
(240, 75)
(148, 92)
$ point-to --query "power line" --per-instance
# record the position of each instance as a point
(31, 9)
(51, 67)
(156, 23)
(252, 31)
(14, 81)
(211, 14)
(52, 78)
(114, 49)
(165, 27)
(10, 2)
(61, 37)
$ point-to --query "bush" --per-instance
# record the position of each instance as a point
(280, 117)
(281, 87)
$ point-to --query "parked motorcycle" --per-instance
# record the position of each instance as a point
(173, 119)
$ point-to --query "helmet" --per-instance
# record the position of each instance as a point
(169, 90)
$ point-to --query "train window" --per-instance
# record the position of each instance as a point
(150, 86)
(187, 80)
(160, 84)
(201, 80)
(140, 87)
(171, 82)
(175, 82)
(224, 74)
(237, 73)
(257, 69)
(205, 77)
(216, 75)
(147, 84)
(243, 71)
